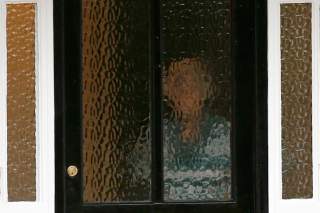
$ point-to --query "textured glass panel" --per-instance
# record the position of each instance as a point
(296, 96)
(21, 102)
(196, 54)
(116, 122)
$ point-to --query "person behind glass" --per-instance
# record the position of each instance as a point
(187, 86)
(196, 138)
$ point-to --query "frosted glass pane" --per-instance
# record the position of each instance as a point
(21, 102)
(296, 99)
(196, 56)
(116, 101)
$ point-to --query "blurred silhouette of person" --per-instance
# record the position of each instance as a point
(196, 140)
(187, 87)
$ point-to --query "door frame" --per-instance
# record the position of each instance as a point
(44, 92)
(277, 204)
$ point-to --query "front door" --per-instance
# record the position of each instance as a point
(155, 106)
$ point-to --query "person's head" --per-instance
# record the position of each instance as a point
(187, 85)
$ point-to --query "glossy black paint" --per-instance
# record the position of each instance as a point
(59, 104)
(157, 167)
(249, 121)
(260, 144)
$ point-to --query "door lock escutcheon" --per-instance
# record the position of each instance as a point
(72, 171)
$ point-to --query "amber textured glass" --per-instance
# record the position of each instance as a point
(197, 97)
(116, 101)
(296, 100)
(21, 120)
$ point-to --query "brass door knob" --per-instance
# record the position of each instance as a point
(72, 171)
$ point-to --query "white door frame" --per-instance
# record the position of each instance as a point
(44, 111)
(276, 203)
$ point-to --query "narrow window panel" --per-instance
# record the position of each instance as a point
(296, 100)
(21, 102)
(116, 101)
(197, 99)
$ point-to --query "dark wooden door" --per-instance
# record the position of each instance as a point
(156, 106)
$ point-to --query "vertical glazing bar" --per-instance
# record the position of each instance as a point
(157, 168)
(21, 98)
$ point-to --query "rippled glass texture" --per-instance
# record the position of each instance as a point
(197, 96)
(296, 100)
(21, 102)
(116, 101)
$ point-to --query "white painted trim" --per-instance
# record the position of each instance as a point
(46, 107)
(293, 1)
(44, 111)
(315, 98)
(276, 203)
(3, 105)
(19, 1)
(274, 105)
(24, 207)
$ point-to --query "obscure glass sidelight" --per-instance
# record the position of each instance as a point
(197, 99)
(21, 102)
(296, 99)
(116, 101)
